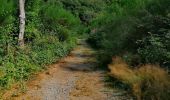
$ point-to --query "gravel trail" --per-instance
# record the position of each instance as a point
(73, 78)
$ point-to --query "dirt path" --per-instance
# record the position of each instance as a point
(73, 78)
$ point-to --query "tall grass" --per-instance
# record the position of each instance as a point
(148, 82)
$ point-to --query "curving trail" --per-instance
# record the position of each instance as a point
(73, 78)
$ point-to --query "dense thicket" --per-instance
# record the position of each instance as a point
(136, 30)
(85, 10)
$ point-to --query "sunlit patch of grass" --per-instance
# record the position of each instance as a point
(148, 82)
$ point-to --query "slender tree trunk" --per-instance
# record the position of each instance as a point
(22, 23)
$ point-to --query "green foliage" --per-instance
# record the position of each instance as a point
(49, 49)
(133, 29)
(159, 7)
(18, 65)
(154, 47)
(49, 36)
(85, 10)
(54, 15)
(6, 11)
(137, 30)
(33, 24)
(7, 27)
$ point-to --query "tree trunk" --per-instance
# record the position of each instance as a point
(22, 23)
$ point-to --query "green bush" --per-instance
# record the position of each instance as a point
(85, 10)
(33, 20)
(17, 66)
(136, 28)
(54, 15)
(154, 47)
(7, 9)
(49, 36)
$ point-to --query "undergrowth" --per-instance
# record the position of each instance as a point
(19, 65)
(49, 36)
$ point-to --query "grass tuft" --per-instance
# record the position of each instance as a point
(148, 82)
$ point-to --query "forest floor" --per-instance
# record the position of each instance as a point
(75, 77)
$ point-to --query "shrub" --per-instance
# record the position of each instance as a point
(50, 35)
(33, 20)
(63, 33)
(156, 83)
(51, 19)
(7, 9)
(18, 65)
(133, 27)
(154, 46)
(85, 10)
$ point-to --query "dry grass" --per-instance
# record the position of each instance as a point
(156, 83)
(148, 82)
(120, 70)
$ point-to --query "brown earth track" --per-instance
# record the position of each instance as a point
(73, 78)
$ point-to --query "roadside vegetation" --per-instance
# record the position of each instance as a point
(138, 32)
(51, 31)
(49, 36)
(132, 39)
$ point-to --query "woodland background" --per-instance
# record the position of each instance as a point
(135, 33)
